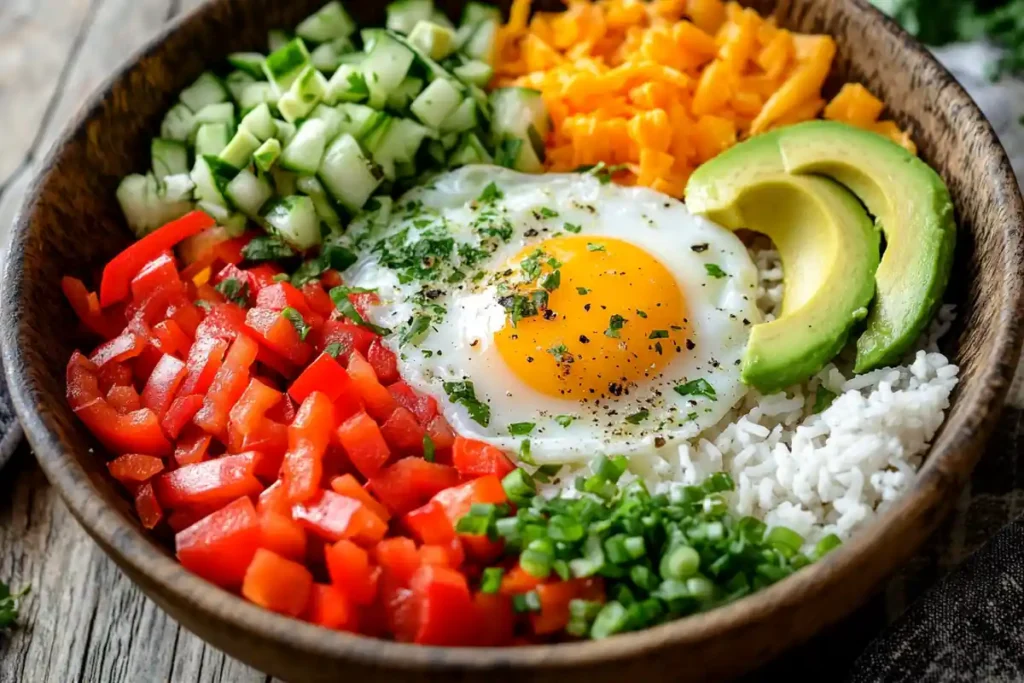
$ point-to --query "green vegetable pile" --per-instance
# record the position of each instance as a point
(938, 22)
(661, 556)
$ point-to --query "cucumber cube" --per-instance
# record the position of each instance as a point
(436, 103)
(329, 22)
(267, 154)
(436, 41)
(207, 89)
(239, 151)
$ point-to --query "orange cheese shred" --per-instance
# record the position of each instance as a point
(662, 86)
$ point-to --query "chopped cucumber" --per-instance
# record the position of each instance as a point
(346, 85)
(255, 94)
(221, 214)
(396, 144)
(249, 62)
(259, 122)
(169, 157)
(436, 41)
(432, 68)
(520, 113)
(248, 192)
(312, 188)
(176, 188)
(347, 174)
(387, 64)
(329, 56)
(304, 152)
(450, 140)
(144, 208)
(437, 101)
(332, 119)
(474, 72)
(294, 220)
(470, 151)
(178, 124)
(212, 138)
(239, 151)
(223, 112)
(267, 154)
(211, 176)
(276, 39)
(403, 15)
(207, 89)
(305, 93)
(441, 19)
(353, 118)
(284, 181)
(284, 64)
(476, 12)
(284, 131)
(482, 43)
(328, 23)
(400, 98)
(236, 83)
(235, 224)
(462, 119)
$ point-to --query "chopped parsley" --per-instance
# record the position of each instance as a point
(564, 420)
(691, 416)
(697, 387)
(340, 294)
(416, 257)
(520, 306)
(658, 334)
(531, 265)
(822, 398)
(331, 256)
(295, 318)
(548, 212)
(416, 330)
(593, 246)
(520, 428)
(234, 291)
(582, 291)
(428, 448)
(714, 271)
(602, 171)
(490, 194)
(638, 417)
(573, 228)
(333, 350)
(561, 353)
(552, 280)
(615, 324)
(266, 248)
(642, 314)
(464, 394)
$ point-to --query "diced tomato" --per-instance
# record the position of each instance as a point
(554, 602)
(86, 306)
(148, 507)
(308, 437)
(204, 360)
(192, 446)
(124, 399)
(351, 572)
(474, 458)
(347, 485)
(403, 433)
(251, 408)
(324, 375)
(283, 535)
(223, 321)
(278, 334)
(445, 614)
(135, 432)
(214, 482)
(411, 482)
(317, 299)
(443, 437)
(120, 270)
(276, 583)
(348, 336)
(379, 402)
(364, 444)
(227, 386)
(132, 469)
(495, 620)
(331, 608)
(383, 362)
(161, 271)
(422, 406)
(180, 413)
(170, 338)
(274, 499)
(219, 547)
(334, 517)
(163, 384)
(119, 349)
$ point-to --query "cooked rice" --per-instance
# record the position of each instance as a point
(824, 473)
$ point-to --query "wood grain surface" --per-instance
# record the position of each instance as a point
(84, 620)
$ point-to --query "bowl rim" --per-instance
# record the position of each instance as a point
(137, 553)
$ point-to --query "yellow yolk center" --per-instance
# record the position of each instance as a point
(616, 317)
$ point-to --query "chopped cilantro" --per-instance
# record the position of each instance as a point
(507, 152)
(691, 416)
(548, 213)
(822, 398)
(295, 318)
(697, 387)
(642, 314)
(333, 350)
(564, 420)
(658, 334)
(531, 265)
(490, 194)
(463, 393)
(582, 291)
(331, 256)
(714, 271)
(552, 281)
(561, 353)
(615, 324)
(234, 291)
(416, 331)
(593, 246)
(428, 448)
(573, 228)
(339, 295)
(266, 248)
(638, 417)
(657, 347)
(519, 306)
(554, 263)
(520, 428)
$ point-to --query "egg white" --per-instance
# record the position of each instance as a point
(460, 343)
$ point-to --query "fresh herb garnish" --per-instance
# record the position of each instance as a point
(560, 353)
(266, 248)
(531, 265)
(822, 398)
(332, 256)
(546, 212)
(552, 280)
(615, 324)
(525, 452)
(593, 246)
(564, 420)
(582, 291)
(333, 350)
(602, 171)
(9, 604)
(520, 428)
(234, 291)
(697, 387)
(658, 334)
(416, 331)
(490, 194)
(339, 295)
(638, 417)
(429, 449)
(714, 271)
(295, 318)
(642, 314)
(464, 394)
(573, 228)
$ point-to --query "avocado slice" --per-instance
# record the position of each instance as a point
(908, 199)
(829, 251)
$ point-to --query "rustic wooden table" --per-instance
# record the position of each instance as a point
(85, 621)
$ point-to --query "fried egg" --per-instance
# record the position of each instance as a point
(574, 315)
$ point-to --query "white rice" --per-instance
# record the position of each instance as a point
(823, 473)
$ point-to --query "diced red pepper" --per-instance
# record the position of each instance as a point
(347, 485)
(398, 557)
(317, 299)
(495, 620)
(457, 500)
(441, 433)
(204, 360)
(275, 499)
(364, 301)
(250, 410)
(148, 507)
(163, 384)
(118, 273)
(124, 399)
(278, 334)
(192, 447)
(403, 433)
(276, 583)
(114, 375)
(348, 336)
(445, 613)
(308, 437)
(86, 306)
(379, 402)
(119, 349)
(351, 572)
(282, 295)
(227, 386)
(180, 413)
(411, 482)
(211, 483)
(135, 432)
(429, 524)
(276, 363)
(324, 375)
(170, 338)
(383, 361)
(159, 272)
(331, 608)
(132, 469)
(187, 316)
(517, 581)
(474, 458)
(283, 535)
(220, 547)
(422, 406)
(223, 321)
(364, 444)
(334, 517)
(263, 275)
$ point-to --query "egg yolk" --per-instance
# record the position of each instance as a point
(615, 318)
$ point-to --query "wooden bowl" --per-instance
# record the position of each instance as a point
(71, 224)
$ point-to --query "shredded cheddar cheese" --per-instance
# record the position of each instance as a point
(662, 86)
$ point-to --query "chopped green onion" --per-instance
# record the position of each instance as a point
(519, 487)
(827, 545)
(565, 528)
(783, 537)
(526, 602)
(609, 621)
(429, 449)
(679, 563)
(490, 580)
